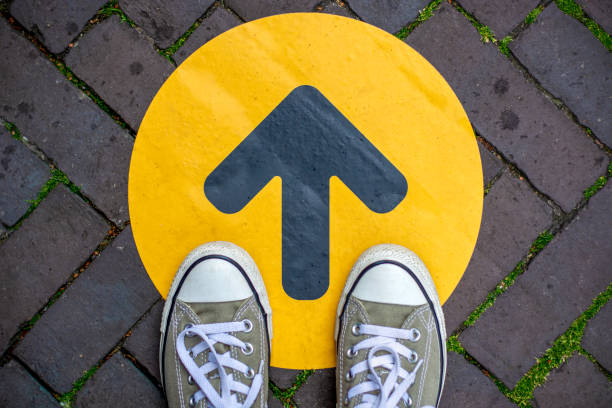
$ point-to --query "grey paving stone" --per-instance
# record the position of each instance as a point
(22, 175)
(577, 383)
(55, 22)
(318, 391)
(218, 22)
(569, 61)
(390, 15)
(251, 10)
(513, 217)
(274, 402)
(499, 15)
(39, 257)
(600, 11)
(91, 316)
(165, 20)
(119, 384)
(282, 377)
(466, 386)
(122, 66)
(337, 8)
(143, 344)
(597, 339)
(491, 164)
(19, 389)
(49, 111)
(509, 112)
(559, 285)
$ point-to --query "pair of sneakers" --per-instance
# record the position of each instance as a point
(217, 325)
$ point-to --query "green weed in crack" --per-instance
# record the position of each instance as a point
(112, 8)
(424, 15)
(599, 183)
(571, 8)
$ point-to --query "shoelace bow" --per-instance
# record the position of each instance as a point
(210, 335)
(384, 339)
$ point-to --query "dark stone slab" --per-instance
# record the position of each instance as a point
(39, 257)
(491, 164)
(597, 339)
(82, 140)
(274, 402)
(19, 389)
(218, 22)
(390, 15)
(122, 66)
(577, 383)
(558, 157)
(559, 285)
(91, 316)
(165, 20)
(119, 384)
(318, 391)
(337, 8)
(513, 217)
(570, 62)
(251, 10)
(499, 15)
(22, 175)
(143, 344)
(600, 11)
(467, 386)
(282, 377)
(55, 22)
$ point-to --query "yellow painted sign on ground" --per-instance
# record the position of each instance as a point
(305, 139)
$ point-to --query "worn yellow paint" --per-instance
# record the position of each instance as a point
(384, 87)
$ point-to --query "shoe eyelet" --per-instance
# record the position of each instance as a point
(250, 373)
(188, 326)
(248, 324)
(416, 335)
(351, 352)
(349, 377)
(355, 329)
(248, 349)
(192, 401)
(190, 380)
(413, 357)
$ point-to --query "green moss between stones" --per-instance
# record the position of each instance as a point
(424, 15)
(570, 7)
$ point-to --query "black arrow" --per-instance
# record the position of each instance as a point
(305, 141)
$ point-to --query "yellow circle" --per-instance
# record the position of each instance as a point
(388, 91)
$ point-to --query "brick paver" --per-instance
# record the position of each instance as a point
(143, 343)
(513, 217)
(91, 317)
(55, 22)
(119, 384)
(282, 377)
(219, 21)
(499, 15)
(42, 254)
(336, 7)
(251, 10)
(557, 287)
(466, 386)
(390, 15)
(22, 175)
(577, 383)
(491, 164)
(19, 389)
(597, 339)
(318, 391)
(165, 20)
(600, 11)
(122, 66)
(570, 62)
(508, 111)
(76, 134)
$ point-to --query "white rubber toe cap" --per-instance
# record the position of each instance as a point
(214, 280)
(389, 283)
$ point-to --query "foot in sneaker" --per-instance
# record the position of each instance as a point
(390, 333)
(216, 330)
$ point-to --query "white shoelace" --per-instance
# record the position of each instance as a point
(384, 342)
(210, 335)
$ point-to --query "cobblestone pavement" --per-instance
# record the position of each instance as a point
(530, 321)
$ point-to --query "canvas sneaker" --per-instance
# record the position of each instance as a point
(390, 334)
(215, 331)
